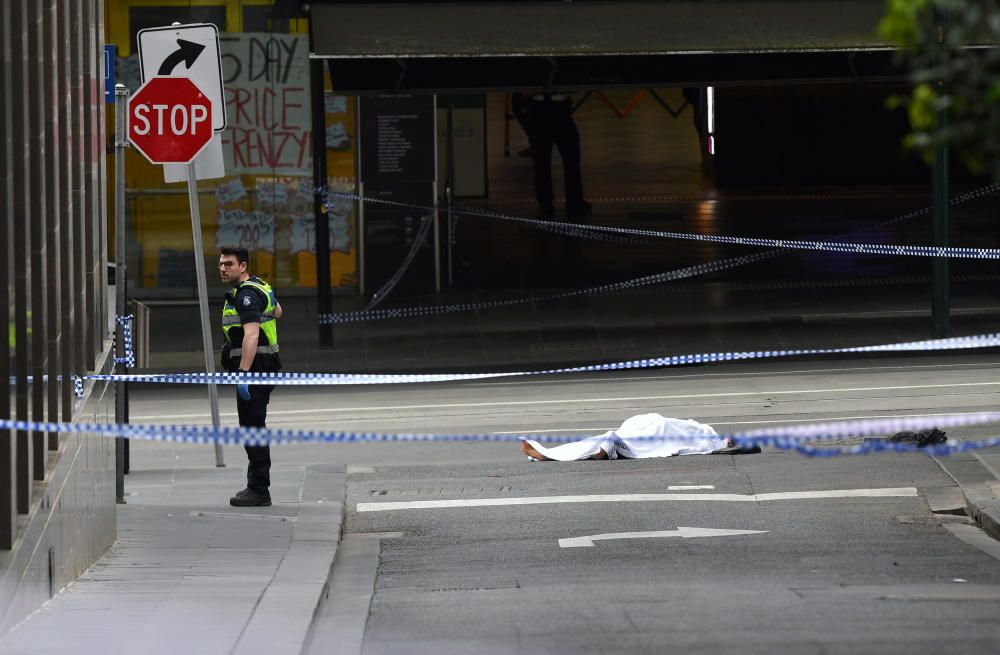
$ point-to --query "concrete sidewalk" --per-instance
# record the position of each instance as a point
(190, 574)
(977, 473)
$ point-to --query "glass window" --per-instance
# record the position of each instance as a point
(142, 17)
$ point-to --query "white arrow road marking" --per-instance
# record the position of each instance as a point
(637, 498)
(686, 533)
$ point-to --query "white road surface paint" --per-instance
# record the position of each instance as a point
(686, 533)
(637, 498)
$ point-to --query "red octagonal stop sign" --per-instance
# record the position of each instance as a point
(169, 120)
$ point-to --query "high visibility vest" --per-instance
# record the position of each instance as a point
(266, 358)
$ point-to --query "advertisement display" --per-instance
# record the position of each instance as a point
(267, 101)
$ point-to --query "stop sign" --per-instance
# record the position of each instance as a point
(169, 120)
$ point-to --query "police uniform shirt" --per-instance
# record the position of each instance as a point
(249, 305)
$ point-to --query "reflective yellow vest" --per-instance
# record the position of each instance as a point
(266, 358)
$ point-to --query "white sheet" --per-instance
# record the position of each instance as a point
(668, 437)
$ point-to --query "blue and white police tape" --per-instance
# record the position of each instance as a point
(370, 314)
(129, 358)
(792, 244)
(77, 382)
(657, 278)
(418, 241)
(319, 379)
(807, 439)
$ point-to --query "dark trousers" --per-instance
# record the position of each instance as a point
(253, 414)
(551, 123)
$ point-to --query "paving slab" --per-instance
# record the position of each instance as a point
(190, 574)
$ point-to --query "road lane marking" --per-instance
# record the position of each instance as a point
(577, 401)
(683, 487)
(760, 422)
(637, 498)
(686, 533)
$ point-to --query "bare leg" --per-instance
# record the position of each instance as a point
(531, 452)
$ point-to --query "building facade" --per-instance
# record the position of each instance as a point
(57, 493)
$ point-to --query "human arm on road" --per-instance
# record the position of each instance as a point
(277, 310)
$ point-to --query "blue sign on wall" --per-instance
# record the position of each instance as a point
(110, 54)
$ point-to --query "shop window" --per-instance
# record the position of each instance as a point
(259, 19)
(142, 17)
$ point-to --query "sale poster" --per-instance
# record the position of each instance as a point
(266, 78)
(253, 229)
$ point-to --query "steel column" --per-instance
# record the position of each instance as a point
(8, 504)
(92, 93)
(50, 94)
(66, 248)
(74, 53)
(20, 247)
(37, 190)
(324, 299)
(121, 280)
(940, 294)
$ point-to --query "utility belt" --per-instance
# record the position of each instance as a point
(267, 359)
(261, 350)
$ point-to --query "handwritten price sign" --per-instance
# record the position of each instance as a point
(303, 234)
(255, 230)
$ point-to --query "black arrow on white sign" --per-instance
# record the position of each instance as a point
(187, 52)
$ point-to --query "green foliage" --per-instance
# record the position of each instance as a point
(955, 69)
(900, 24)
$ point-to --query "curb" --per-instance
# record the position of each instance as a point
(978, 485)
(281, 621)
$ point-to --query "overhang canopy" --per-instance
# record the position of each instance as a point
(422, 46)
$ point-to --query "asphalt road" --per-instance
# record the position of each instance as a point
(874, 571)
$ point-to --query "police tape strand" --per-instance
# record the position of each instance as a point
(321, 379)
(657, 278)
(129, 358)
(368, 314)
(806, 439)
(794, 244)
(418, 242)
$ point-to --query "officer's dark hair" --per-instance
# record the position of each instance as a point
(238, 250)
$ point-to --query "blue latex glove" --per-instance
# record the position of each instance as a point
(243, 389)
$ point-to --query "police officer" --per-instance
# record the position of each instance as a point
(548, 120)
(249, 318)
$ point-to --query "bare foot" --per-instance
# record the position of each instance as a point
(600, 454)
(531, 452)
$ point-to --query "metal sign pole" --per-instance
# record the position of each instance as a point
(121, 410)
(206, 335)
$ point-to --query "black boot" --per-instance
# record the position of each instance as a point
(250, 498)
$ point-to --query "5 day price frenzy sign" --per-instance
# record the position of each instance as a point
(169, 120)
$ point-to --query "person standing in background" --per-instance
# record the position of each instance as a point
(548, 120)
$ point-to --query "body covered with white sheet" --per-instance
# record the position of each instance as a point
(645, 435)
